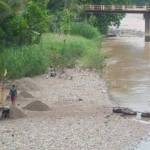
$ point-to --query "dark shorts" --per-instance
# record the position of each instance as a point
(13, 98)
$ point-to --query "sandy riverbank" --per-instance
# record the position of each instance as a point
(80, 116)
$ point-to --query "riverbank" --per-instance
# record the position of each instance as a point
(57, 50)
(80, 116)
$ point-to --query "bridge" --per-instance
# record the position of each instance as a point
(124, 9)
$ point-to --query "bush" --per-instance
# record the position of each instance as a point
(65, 50)
(54, 49)
(24, 61)
(93, 59)
(24, 25)
(85, 30)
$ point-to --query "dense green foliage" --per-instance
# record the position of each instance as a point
(85, 30)
(140, 2)
(24, 51)
(22, 22)
(69, 50)
(54, 49)
(23, 61)
(102, 21)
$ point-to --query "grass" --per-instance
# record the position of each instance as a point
(85, 30)
(54, 49)
(23, 61)
(68, 50)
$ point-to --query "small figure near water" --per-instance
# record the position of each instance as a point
(139, 116)
(13, 94)
(51, 72)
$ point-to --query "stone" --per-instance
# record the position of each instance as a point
(80, 99)
(146, 114)
(128, 111)
(124, 111)
(117, 109)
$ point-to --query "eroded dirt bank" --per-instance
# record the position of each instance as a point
(80, 116)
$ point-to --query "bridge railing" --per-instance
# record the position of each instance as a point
(117, 7)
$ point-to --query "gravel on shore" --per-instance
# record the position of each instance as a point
(80, 117)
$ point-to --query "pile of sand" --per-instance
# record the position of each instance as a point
(37, 106)
(25, 94)
(26, 84)
(16, 113)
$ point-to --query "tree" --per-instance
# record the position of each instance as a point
(22, 22)
(102, 21)
(37, 19)
(140, 2)
(62, 14)
(5, 10)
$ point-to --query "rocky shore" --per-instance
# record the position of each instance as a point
(79, 116)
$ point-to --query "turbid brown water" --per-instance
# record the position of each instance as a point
(128, 70)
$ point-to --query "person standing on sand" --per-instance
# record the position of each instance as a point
(13, 94)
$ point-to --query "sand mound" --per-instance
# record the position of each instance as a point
(16, 113)
(26, 84)
(25, 94)
(37, 106)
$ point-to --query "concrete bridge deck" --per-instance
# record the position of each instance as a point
(118, 8)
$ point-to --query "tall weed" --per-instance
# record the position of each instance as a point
(23, 61)
(58, 50)
(85, 30)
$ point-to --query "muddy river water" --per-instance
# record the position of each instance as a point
(128, 69)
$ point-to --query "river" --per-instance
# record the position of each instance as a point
(128, 69)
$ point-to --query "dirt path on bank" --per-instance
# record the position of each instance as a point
(79, 116)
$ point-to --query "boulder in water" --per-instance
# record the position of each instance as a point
(128, 111)
(117, 109)
(146, 114)
(124, 111)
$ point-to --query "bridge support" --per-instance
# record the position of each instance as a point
(147, 26)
